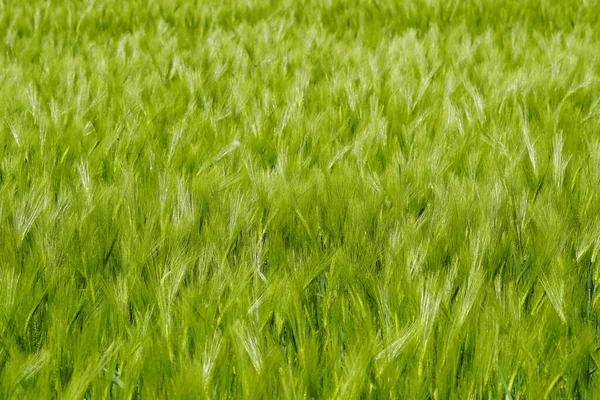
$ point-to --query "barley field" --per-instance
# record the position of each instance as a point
(299, 199)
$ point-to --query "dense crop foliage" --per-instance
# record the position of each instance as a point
(299, 199)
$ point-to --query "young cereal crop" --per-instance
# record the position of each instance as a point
(301, 199)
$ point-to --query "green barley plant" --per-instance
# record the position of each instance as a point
(301, 199)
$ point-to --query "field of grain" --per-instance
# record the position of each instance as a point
(301, 199)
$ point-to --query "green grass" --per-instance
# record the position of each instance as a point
(299, 199)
